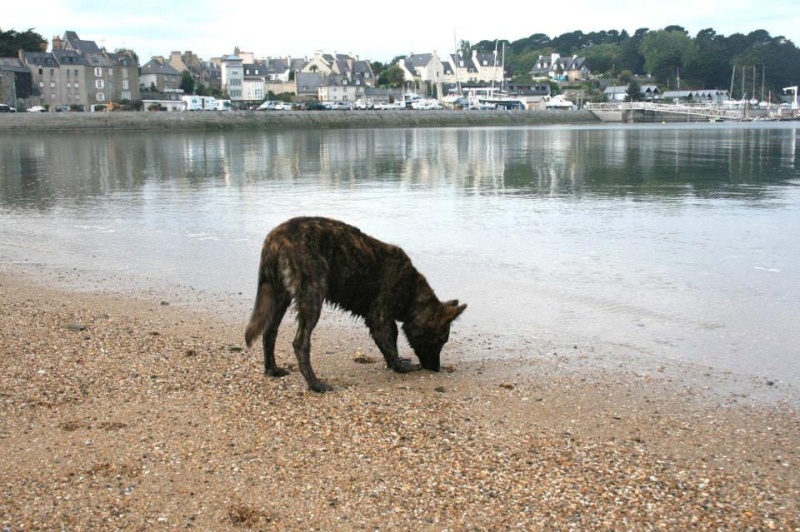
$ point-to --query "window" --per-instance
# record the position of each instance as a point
(40, 71)
(98, 72)
(124, 72)
(76, 72)
(52, 84)
(125, 84)
(98, 84)
(101, 97)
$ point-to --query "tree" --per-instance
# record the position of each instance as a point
(711, 65)
(392, 76)
(11, 42)
(665, 52)
(630, 52)
(464, 48)
(377, 67)
(634, 92)
(187, 82)
(626, 76)
(128, 52)
(570, 43)
(602, 57)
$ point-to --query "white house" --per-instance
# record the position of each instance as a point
(559, 68)
(422, 67)
(341, 89)
(618, 93)
(232, 68)
(479, 68)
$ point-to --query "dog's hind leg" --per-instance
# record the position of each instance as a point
(269, 337)
(309, 307)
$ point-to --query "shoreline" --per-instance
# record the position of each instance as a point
(265, 120)
(130, 411)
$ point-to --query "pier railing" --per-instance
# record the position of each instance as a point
(710, 111)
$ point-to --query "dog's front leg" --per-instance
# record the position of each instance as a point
(308, 311)
(385, 336)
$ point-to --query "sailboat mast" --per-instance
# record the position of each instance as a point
(744, 75)
(494, 67)
(503, 68)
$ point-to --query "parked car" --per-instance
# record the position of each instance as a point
(274, 105)
(316, 105)
(37, 109)
(7, 108)
(343, 106)
(426, 105)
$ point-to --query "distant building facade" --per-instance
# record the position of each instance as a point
(75, 74)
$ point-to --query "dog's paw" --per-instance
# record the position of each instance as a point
(320, 387)
(404, 365)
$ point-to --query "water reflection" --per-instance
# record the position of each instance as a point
(653, 161)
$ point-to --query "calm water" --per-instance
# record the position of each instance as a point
(671, 241)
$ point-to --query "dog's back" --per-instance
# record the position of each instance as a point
(333, 259)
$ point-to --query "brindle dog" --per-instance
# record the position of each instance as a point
(313, 260)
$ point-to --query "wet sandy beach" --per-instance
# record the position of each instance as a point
(131, 411)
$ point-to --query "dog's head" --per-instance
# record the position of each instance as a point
(427, 335)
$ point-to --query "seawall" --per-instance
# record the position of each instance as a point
(262, 120)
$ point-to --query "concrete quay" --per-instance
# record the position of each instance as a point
(265, 120)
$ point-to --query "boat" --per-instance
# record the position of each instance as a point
(558, 102)
(490, 98)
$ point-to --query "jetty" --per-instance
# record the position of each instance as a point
(651, 111)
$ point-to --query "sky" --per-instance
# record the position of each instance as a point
(376, 31)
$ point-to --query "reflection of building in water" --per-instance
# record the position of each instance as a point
(539, 161)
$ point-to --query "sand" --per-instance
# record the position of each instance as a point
(131, 411)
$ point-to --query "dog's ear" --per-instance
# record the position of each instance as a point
(451, 303)
(451, 312)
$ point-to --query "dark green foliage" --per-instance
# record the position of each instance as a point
(187, 82)
(391, 77)
(634, 92)
(11, 42)
(703, 61)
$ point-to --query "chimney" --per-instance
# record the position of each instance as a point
(57, 44)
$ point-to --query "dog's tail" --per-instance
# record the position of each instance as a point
(262, 313)
(264, 306)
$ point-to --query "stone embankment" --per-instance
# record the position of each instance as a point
(260, 120)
